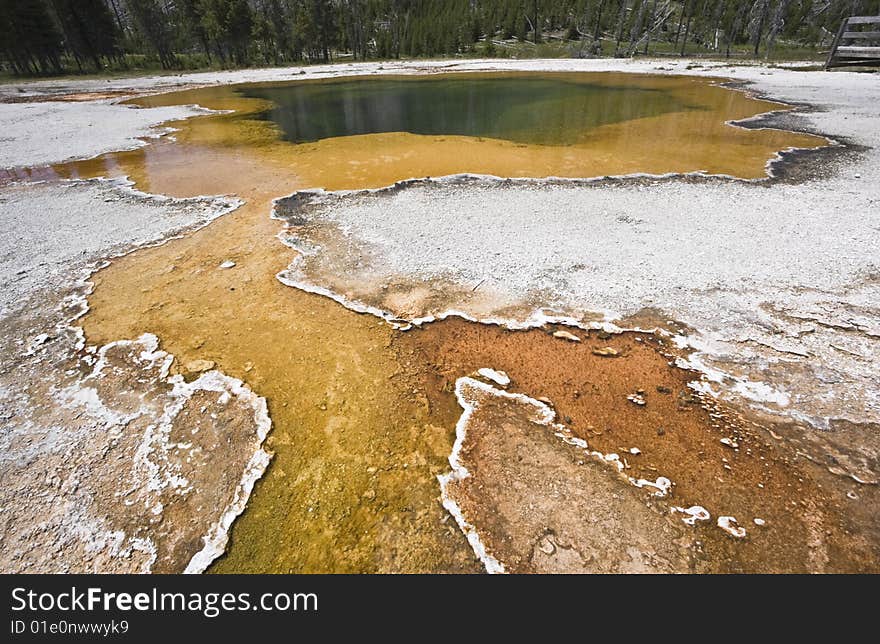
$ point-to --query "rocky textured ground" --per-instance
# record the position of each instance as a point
(37, 133)
(777, 284)
(112, 458)
(595, 436)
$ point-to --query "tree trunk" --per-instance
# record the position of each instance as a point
(765, 9)
(776, 25)
(687, 30)
(636, 32)
(720, 13)
(680, 23)
(118, 15)
(537, 24)
(621, 18)
(650, 25)
(598, 32)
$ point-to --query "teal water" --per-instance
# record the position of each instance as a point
(534, 110)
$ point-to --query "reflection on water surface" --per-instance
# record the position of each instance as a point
(525, 109)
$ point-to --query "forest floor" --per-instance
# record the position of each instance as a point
(719, 369)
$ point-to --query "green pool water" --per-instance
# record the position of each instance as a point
(536, 110)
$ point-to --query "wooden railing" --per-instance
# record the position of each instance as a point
(857, 43)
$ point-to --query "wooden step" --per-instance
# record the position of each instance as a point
(857, 52)
(864, 20)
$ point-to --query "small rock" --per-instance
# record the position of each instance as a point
(547, 546)
(729, 442)
(694, 513)
(636, 399)
(606, 352)
(498, 377)
(660, 431)
(198, 366)
(565, 335)
(728, 524)
(759, 522)
(227, 264)
(635, 451)
(663, 390)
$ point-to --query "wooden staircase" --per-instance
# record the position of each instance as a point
(857, 43)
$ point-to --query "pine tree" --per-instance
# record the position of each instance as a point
(89, 30)
(29, 39)
(239, 21)
(190, 15)
(228, 23)
(317, 27)
(153, 25)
